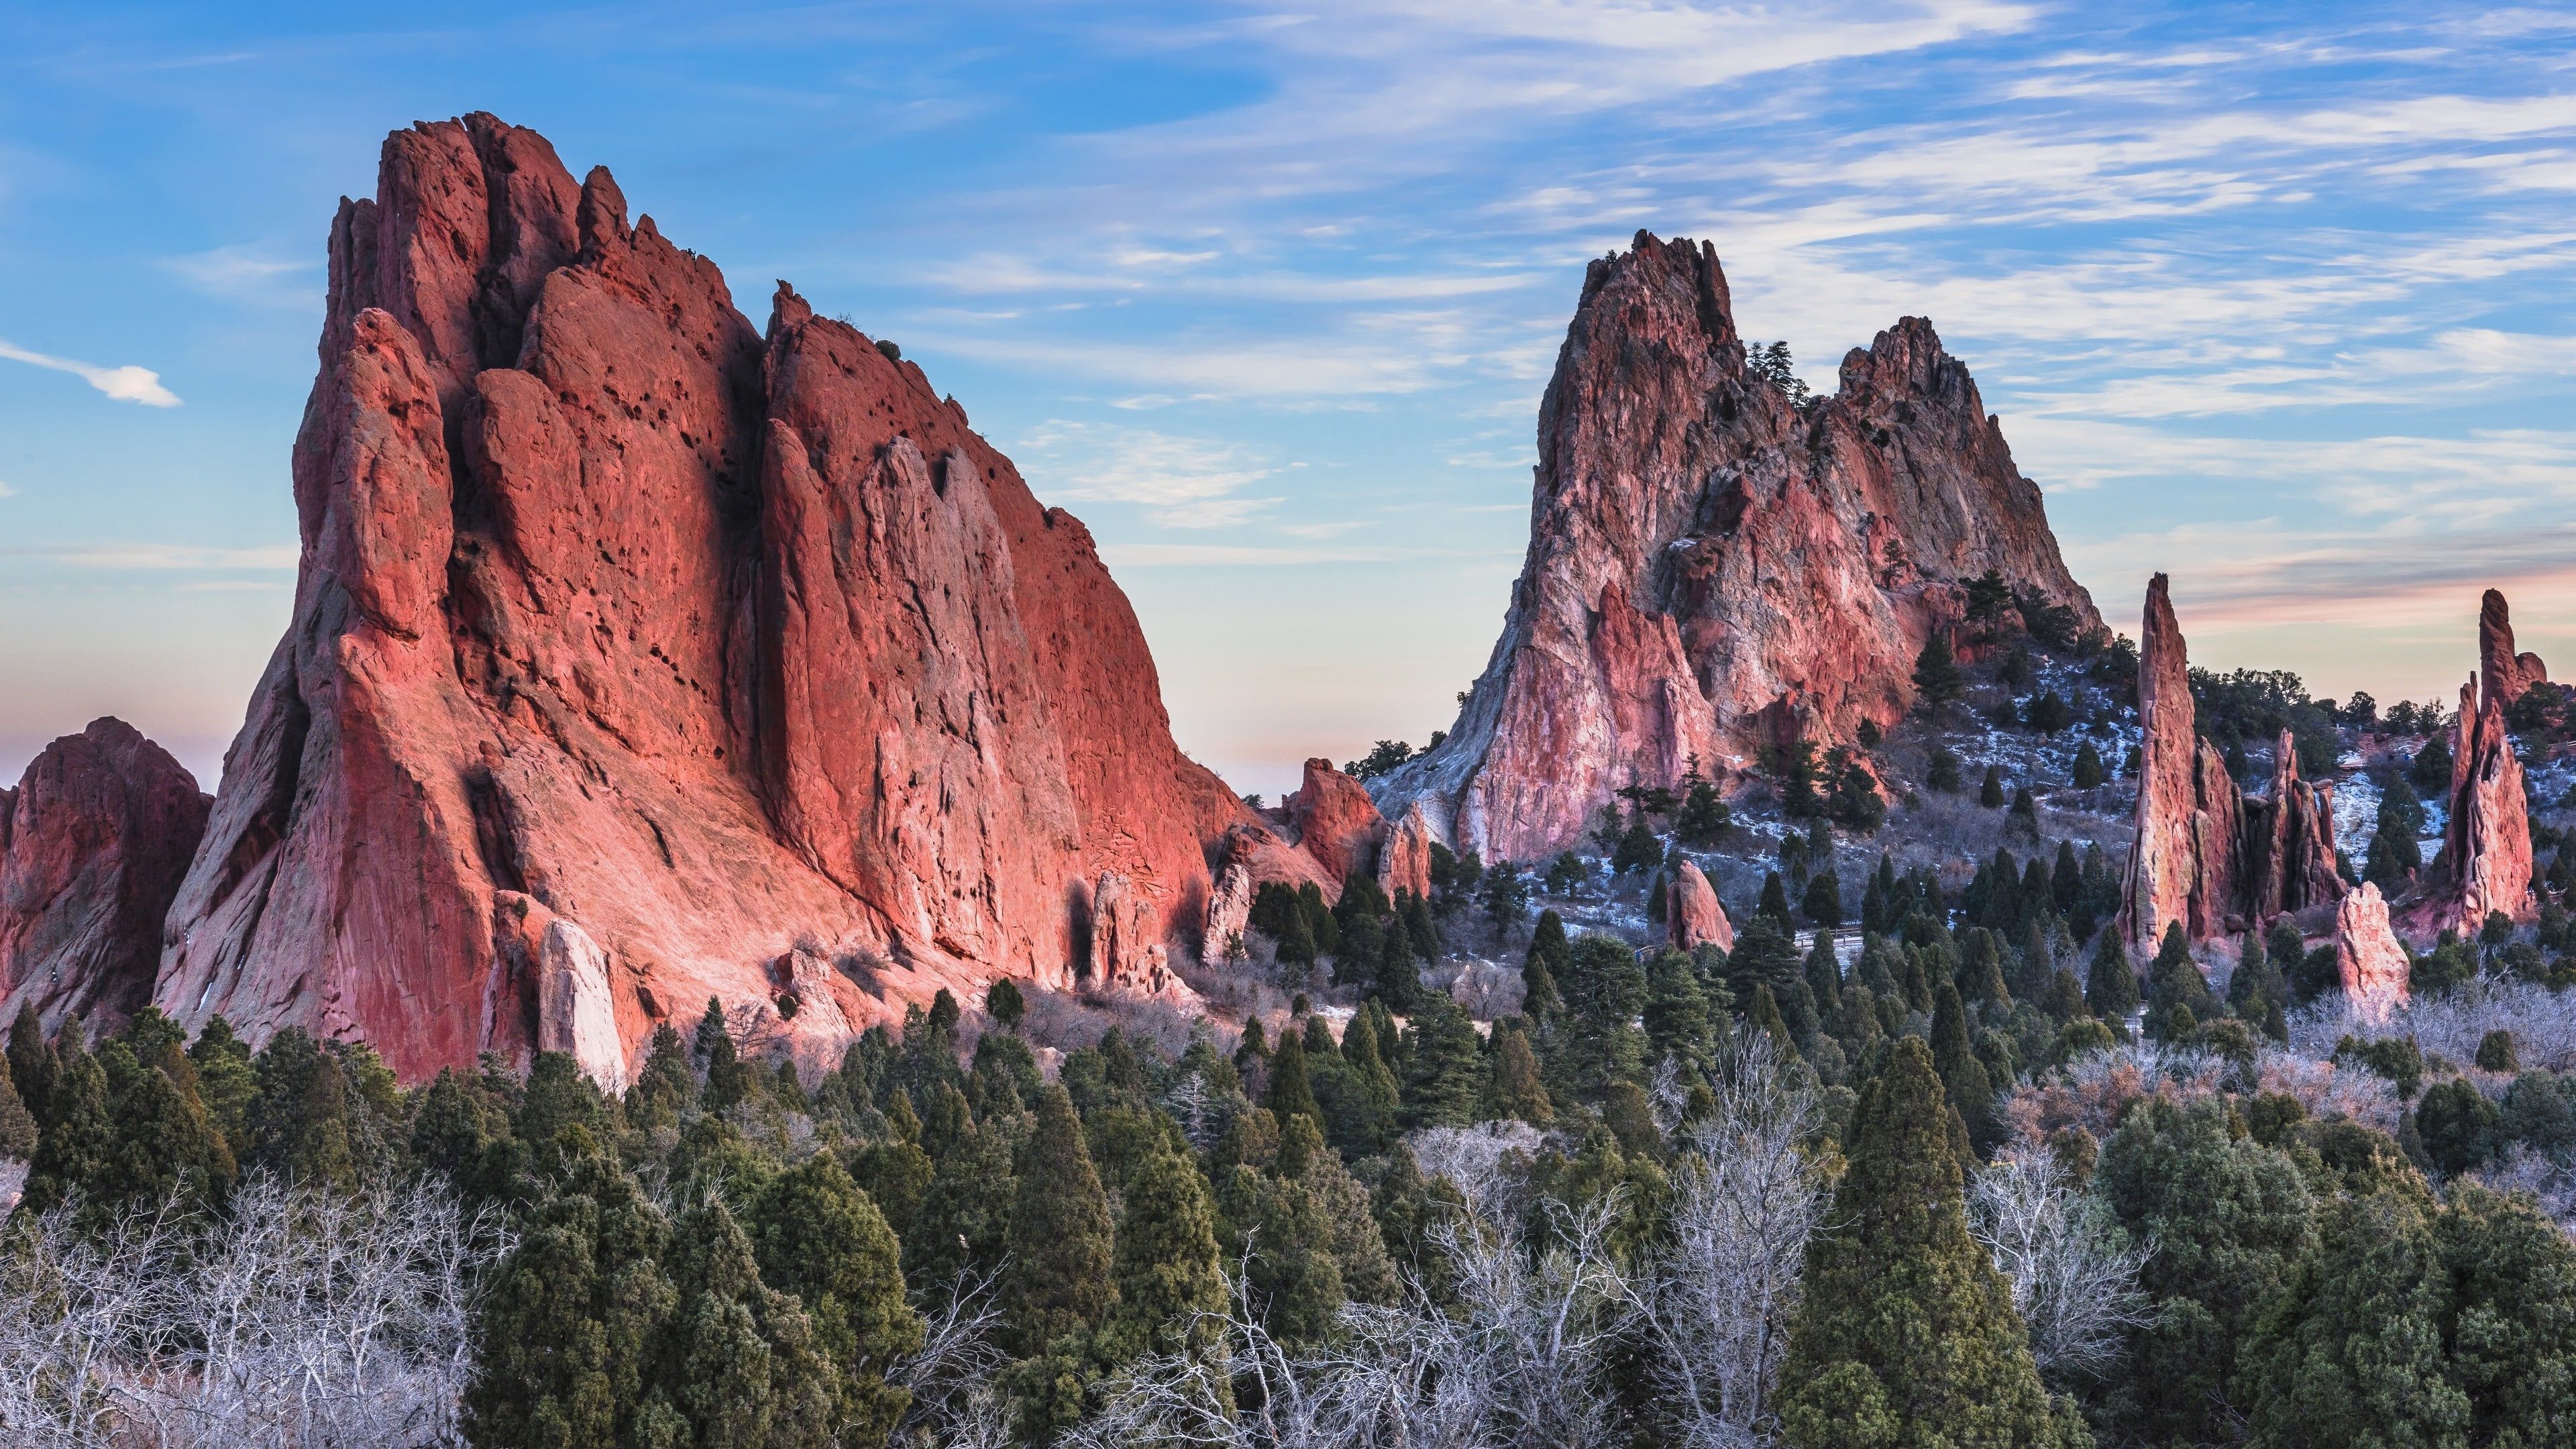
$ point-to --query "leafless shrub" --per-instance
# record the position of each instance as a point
(1487, 991)
(951, 1375)
(299, 1319)
(1488, 1163)
(2074, 1273)
(2329, 1091)
(2552, 1183)
(2451, 1025)
(2095, 1090)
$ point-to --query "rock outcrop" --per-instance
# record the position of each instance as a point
(1125, 954)
(93, 842)
(1404, 858)
(1337, 823)
(1693, 916)
(1712, 568)
(2486, 842)
(711, 641)
(2502, 674)
(2203, 854)
(2369, 959)
(2289, 841)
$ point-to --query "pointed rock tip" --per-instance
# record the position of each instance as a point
(786, 309)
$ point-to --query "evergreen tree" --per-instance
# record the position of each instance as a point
(1942, 773)
(729, 1081)
(666, 1088)
(32, 1062)
(1775, 901)
(1600, 1043)
(1443, 1077)
(2178, 996)
(75, 1134)
(1906, 1334)
(1399, 981)
(1964, 1077)
(1549, 952)
(17, 1124)
(963, 1222)
(163, 1144)
(1061, 1243)
(1638, 849)
(1823, 902)
(1289, 1093)
(894, 1171)
(2088, 766)
(1004, 1004)
(739, 1360)
(1677, 1016)
(300, 1121)
(2230, 1219)
(1936, 671)
(1990, 790)
(1360, 1098)
(816, 1235)
(1519, 1090)
(1165, 1261)
(2110, 982)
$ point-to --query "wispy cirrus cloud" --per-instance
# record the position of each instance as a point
(154, 557)
(1180, 482)
(125, 384)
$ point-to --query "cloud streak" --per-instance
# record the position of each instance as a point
(125, 384)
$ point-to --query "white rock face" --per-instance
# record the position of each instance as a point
(575, 1014)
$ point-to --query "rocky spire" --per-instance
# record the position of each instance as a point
(2290, 844)
(1712, 567)
(2177, 869)
(2368, 958)
(2486, 842)
(93, 842)
(1693, 915)
(2502, 674)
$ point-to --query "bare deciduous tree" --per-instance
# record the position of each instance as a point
(1716, 1302)
(2074, 1273)
(297, 1319)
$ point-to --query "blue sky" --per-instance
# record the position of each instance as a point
(2274, 297)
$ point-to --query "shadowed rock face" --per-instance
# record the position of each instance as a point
(717, 646)
(1337, 823)
(2502, 674)
(93, 842)
(2486, 843)
(1710, 569)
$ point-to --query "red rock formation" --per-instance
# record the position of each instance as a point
(1125, 954)
(715, 645)
(1710, 568)
(2502, 674)
(1404, 860)
(1336, 822)
(1693, 916)
(2164, 882)
(2486, 843)
(2289, 842)
(93, 842)
(2367, 955)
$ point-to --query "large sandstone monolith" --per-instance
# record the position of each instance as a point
(712, 640)
(1693, 916)
(1712, 568)
(93, 843)
(2368, 957)
(2486, 843)
(2182, 863)
(1336, 821)
(2503, 675)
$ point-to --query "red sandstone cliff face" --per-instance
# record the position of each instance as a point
(1337, 824)
(1693, 915)
(1709, 568)
(2204, 854)
(736, 652)
(93, 842)
(2502, 674)
(2486, 844)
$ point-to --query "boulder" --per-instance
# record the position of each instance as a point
(1404, 860)
(1693, 916)
(717, 640)
(2486, 842)
(575, 1013)
(93, 843)
(2369, 959)
(1712, 569)
(1336, 822)
(2503, 674)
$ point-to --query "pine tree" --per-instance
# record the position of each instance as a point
(1399, 981)
(1775, 901)
(1990, 790)
(895, 1171)
(2111, 983)
(1677, 1016)
(740, 1361)
(2088, 766)
(1166, 1257)
(1004, 1004)
(1906, 1334)
(1823, 902)
(75, 1134)
(163, 1144)
(1936, 671)
(1061, 1241)
(1519, 1090)
(1443, 1078)
(300, 1121)
(1599, 1042)
(816, 1235)
(1964, 1077)
(728, 1081)
(1360, 1099)
(32, 1062)
(1289, 1093)
(2178, 996)
(17, 1124)
(1548, 953)
(963, 1222)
